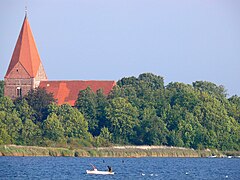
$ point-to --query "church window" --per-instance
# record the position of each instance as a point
(19, 92)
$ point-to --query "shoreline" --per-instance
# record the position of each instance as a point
(114, 151)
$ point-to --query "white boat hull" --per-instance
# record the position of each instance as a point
(99, 172)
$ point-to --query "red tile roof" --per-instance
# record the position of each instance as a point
(25, 51)
(67, 91)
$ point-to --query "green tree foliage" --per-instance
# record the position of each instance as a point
(24, 110)
(102, 102)
(6, 104)
(139, 110)
(18, 122)
(139, 91)
(123, 118)
(53, 129)
(182, 95)
(210, 88)
(150, 80)
(104, 138)
(39, 100)
(87, 105)
(105, 134)
(1, 88)
(234, 110)
(197, 116)
(73, 121)
(10, 123)
(31, 133)
(4, 137)
(152, 129)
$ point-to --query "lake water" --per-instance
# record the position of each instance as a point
(125, 168)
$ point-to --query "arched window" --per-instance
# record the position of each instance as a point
(19, 92)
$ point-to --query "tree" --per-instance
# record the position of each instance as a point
(182, 95)
(154, 82)
(187, 129)
(102, 103)
(12, 124)
(24, 110)
(106, 134)
(52, 128)
(152, 128)
(174, 139)
(39, 99)
(104, 138)
(140, 92)
(86, 104)
(234, 110)
(4, 136)
(117, 91)
(214, 117)
(72, 121)
(235, 100)
(174, 117)
(6, 104)
(133, 81)
(211, 88)
(123, 118)
(31, 133)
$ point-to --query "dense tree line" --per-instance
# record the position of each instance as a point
(139, 110)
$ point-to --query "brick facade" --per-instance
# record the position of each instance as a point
(19, 78)
(11, 87)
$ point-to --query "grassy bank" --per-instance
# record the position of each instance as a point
(12, 150)
(115, 151)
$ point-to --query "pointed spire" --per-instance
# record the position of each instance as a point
(26, 11)
(26, 4)
(25, 52)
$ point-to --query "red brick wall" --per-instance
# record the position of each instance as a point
(19, 78)
(11, 85)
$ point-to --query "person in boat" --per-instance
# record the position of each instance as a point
(109, 168)
(94, 167)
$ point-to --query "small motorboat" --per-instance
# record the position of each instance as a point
(95, 171)
(99, 172)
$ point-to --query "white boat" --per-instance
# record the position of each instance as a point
(95, 171)
(212, 156)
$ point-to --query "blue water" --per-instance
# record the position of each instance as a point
(125, 168)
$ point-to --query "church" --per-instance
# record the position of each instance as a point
(26, 72)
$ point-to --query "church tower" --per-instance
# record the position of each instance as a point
(25, 71)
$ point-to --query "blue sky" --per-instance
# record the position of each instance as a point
(181, 40)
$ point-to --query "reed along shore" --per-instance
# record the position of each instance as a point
(114, 151)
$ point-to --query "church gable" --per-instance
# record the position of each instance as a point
(18, 72)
